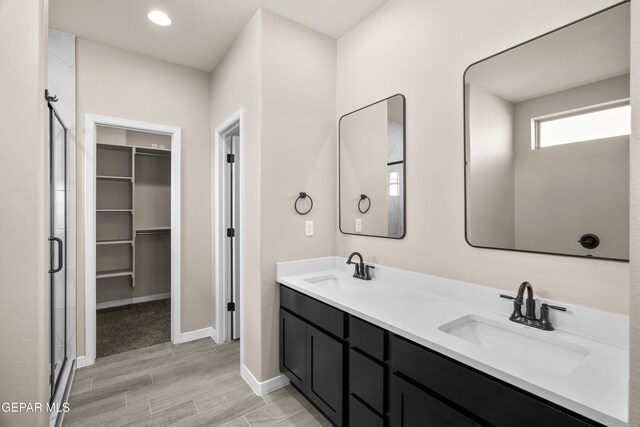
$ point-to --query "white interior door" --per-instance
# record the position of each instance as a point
(232, 243)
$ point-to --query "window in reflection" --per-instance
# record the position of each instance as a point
(593, 123)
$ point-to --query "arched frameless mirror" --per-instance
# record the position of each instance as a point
(547, 127)
(372, 169)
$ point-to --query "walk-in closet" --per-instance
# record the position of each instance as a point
(133, 239)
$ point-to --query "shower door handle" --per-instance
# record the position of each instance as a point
(60, 255)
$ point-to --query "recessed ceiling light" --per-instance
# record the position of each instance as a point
(159, 18)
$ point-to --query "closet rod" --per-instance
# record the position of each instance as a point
(152, 154)
(153, 232)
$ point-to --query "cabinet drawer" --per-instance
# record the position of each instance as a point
(318, 313)
(366, 380)
(367, 337)
(490, 399)
(361, 416)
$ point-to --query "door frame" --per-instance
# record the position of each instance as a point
(91, 122)
(218, 162)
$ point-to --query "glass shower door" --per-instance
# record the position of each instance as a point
(57, 247)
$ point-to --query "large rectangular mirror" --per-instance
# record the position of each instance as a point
(547, 127)
(372, 169)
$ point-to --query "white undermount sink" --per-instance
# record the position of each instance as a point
(341, 283)
(534, 348)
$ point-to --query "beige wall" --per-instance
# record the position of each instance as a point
(490, 153)
(24, 166)
(634, 301)
(298, 153)
(283, 75)
(428, 71)
(235, 84)
(116, 83)
(587, 184)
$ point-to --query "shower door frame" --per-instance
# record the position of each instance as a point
(54, 380)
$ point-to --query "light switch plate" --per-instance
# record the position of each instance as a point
(358, 225)
(308, 228)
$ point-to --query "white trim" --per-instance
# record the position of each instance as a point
(81, 362)
(217, 161)
(91, 121)
(136, 300)
(176, 234)
(264, 387)
(199, 333)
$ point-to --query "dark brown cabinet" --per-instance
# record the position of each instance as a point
(360, 375)
(313, 358)
(487, 399)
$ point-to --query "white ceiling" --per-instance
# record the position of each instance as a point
(202, 30)
(589, 51)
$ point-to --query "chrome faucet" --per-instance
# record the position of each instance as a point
(529, 318)
(362, 271)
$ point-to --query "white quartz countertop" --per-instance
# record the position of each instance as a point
(415, 306)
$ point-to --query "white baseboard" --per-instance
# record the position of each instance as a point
(136, 300)
(199, 333)
(264, 387)
(81, 362)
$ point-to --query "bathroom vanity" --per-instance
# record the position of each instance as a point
(408, 349)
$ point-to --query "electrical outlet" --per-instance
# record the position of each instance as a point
(308, 228)
(154, 145)
(358, 225)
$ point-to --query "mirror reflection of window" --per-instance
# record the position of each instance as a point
(394, 184)
(587, 124)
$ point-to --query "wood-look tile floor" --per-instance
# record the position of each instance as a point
(192, 384)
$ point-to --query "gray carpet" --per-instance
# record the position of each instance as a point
(129, 327)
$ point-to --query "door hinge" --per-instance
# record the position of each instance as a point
(231, 158)
(231, 306)
(231, 232)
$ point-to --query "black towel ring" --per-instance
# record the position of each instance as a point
(303, 195)
(364, 197)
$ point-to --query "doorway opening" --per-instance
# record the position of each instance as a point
(132, 231)
(228, 209)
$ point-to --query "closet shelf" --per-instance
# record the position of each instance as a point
(144, 230)
(114, 242)
(114, 210)
(115, 147)
(114, 273)
(114, 178)
(151, 150)
(159, 154)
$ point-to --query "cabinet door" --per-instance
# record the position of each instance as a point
(413, 407)
(293, 349)
(325, 357)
